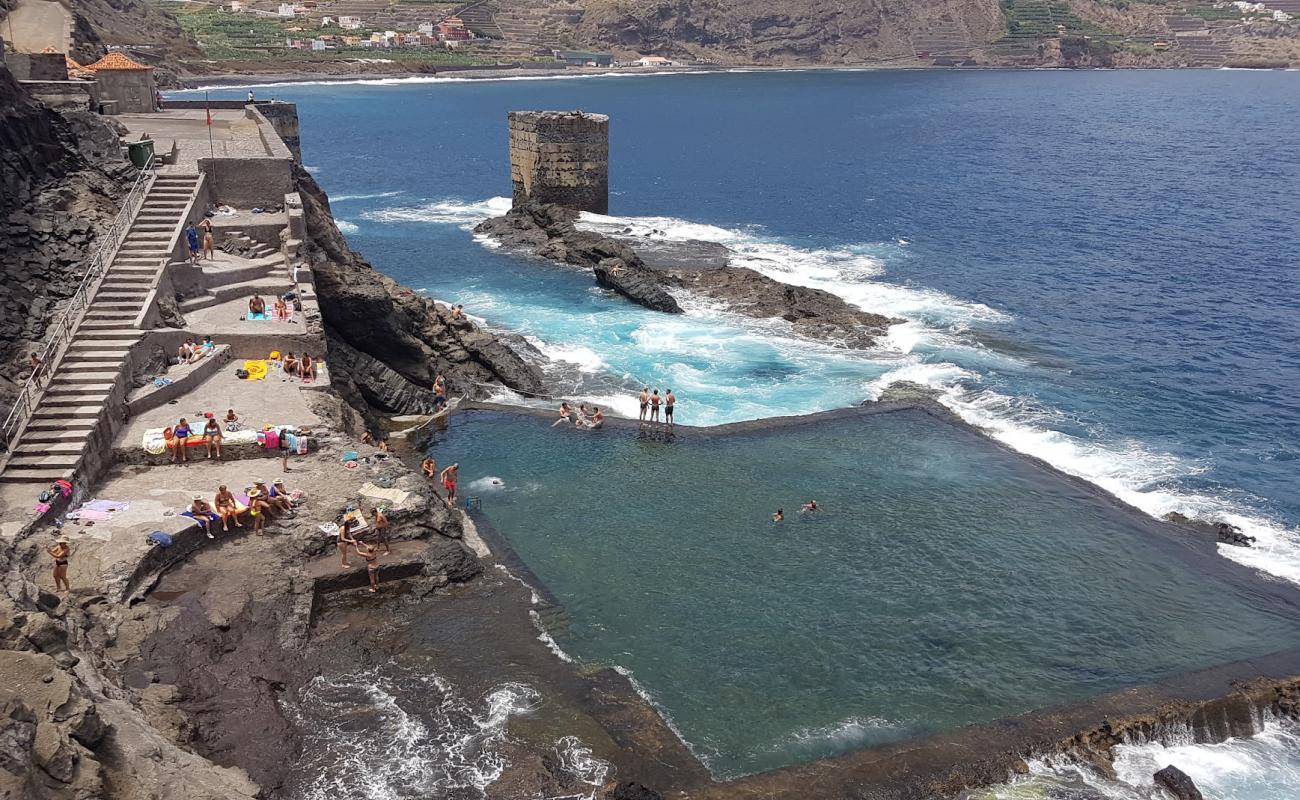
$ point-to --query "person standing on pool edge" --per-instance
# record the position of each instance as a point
(670, 400)
(644, 399)
(449, 483)
(655, 400)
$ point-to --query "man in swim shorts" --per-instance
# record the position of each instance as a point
(670, 400)
(449, 483)
(645, 401)
(655, 400)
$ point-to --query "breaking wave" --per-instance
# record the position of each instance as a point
(372, 734)
(443, 212)
(346, 227)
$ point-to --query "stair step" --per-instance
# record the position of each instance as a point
(56, 435)
(125, 293)
(95, 399)
(50, 448)
(37, 462)
(97, 344)
(93, 388)
(71, 415)
(61, 424)
(95, 359)
(66, 377)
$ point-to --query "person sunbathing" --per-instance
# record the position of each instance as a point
(227, 507)
(290, 364)
(277, 501)
(281, 309)
(258, 508)
(256, 305)
(185, 352)
(307, 368)
(203, 514)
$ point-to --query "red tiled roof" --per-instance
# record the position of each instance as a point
(116, 61)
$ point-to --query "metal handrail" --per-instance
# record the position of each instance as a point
(110, 240)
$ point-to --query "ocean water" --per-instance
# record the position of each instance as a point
(945, 581)
(1100, 268)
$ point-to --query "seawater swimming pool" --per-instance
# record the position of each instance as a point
(946, 580)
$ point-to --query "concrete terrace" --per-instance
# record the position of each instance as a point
(150, 298)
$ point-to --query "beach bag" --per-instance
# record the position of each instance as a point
(242, 374)
(272, 440)
(161, 539)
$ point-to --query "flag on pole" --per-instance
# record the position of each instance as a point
(209, 116)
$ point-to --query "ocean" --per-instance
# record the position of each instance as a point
(1098, 268)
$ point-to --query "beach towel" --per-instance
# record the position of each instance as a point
(153, 442)
(107, 505)
(239, 437)
(359, 517)
(272, 440)
(158, 537)
(258, 317)
(350, 455)
(256, 369)
(94, 516)
(211, 515)
(330, 529)
(393, 496)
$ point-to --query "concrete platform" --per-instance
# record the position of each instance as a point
(234, 135)
(223, 319)
(406, 561)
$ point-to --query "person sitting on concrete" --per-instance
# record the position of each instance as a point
(256, 306)
(429, 467)
(203, 514)
(212, 432)
(185, 352)
(208, 345)
(281, 310)
(180, 437)
(227, 507)
(280, 502)
(290, 365)
(307, 368)
(258, 508)
(279, 490)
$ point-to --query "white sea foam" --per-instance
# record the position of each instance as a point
(545, 638)
(576, 760)
(489, 483)
(345, 226)
(432, 79)
(847, 734)
(586, 359)
(443, 212)
(344, 198)
(374, 734)
(533, 598)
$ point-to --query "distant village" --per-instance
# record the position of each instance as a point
(323, 32)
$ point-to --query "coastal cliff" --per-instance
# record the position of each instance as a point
(55, 194)
(387, 342)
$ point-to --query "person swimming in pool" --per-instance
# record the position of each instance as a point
(808, 507)
(566, 414)
(779, 516)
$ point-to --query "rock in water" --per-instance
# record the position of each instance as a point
(1179, 783)
(631, 790)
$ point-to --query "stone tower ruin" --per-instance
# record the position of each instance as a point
(560, 157)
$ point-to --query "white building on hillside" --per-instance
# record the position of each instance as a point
(350, 23)
(286, 10)
(653, 61)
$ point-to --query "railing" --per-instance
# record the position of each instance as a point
(106, 247)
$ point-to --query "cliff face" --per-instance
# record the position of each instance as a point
(53, 197)
(791, 32)
(387, 342)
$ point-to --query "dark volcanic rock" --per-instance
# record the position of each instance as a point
(631, 790)
(388, 343)
(700, 267)
(1178, 782)
(549, 230)
(814, 313)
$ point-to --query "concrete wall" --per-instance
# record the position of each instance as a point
(38, 66)
(133, 90)
(65, 95)
(560, 157)
(248, 182)
(283, 118)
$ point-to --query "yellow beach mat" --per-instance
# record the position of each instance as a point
(256, 369)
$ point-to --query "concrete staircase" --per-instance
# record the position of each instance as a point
(94, 367)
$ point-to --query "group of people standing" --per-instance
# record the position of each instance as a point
(448, 477)
(651, 402)
(200, 248)
(368, 551)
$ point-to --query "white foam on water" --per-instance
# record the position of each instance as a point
(377, 735)
(545, 638)
(577, 761)
(847, 734)
(346, 227)
(344, 198)
(488, 483)
(429, 79)
(533, 597)
(443, 212)
(586, 359)
(1265, 766)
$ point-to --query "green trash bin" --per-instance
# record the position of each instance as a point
(140, 153)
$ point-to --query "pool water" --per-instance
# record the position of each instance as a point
(946, 580)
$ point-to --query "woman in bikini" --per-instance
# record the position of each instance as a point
(371, 554)
(281, 309)
(226, 507)
(205, 228)
(258, 508)
(345, 539)
(181, 433)
(212, 432)
(60, 551)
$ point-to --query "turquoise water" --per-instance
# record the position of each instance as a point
(946, 581)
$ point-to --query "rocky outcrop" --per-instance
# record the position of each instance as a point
(55, 194)
(1179, 783)
(549, 230)
(699, 267)
(388, 342)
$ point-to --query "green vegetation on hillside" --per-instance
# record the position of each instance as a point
(229, 36)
